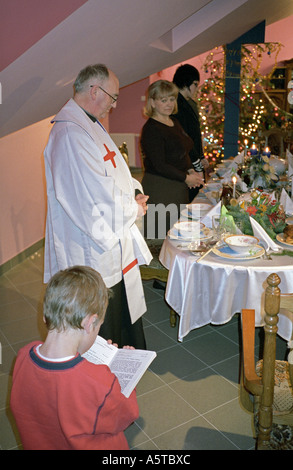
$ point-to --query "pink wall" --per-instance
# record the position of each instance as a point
(128, 115)
(22, 189)
(280, 32)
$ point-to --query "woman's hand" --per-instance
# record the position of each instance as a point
(205, 163)
(194, 179)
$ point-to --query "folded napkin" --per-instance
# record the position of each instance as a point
(239, 158)
(231, 170)
(227, 222)
(286, 202)
(262, 235)
(210, 196)
(207, 220)
(227, 178)
(243, 186)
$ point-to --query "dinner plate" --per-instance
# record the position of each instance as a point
(198, 208)
(205, 234)
(226, 252)
(281, 238)
(187, 214)
(189, 228)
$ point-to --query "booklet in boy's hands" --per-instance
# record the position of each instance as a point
(128, 365)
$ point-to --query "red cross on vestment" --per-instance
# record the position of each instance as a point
(110, 156)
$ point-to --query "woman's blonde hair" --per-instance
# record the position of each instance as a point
(73, 294)
(158, 90)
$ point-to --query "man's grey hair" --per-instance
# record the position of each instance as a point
(98, 71)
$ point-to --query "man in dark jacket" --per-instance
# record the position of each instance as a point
(186, 78)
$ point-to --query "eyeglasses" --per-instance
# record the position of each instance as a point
(114, 99)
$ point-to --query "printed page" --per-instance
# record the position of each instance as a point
(101, 352)
(129, 366)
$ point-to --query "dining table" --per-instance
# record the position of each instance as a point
(213, 289)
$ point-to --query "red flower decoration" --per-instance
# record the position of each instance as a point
(252, 210)
(273, 219)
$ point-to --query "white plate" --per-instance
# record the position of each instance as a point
(205, 234)
(226, 252)
(198, 209)
(185, 213)
(281, 238)
(188, 226)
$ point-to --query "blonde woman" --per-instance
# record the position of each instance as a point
(165, 146)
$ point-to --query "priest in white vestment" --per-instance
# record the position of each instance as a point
(92, 207)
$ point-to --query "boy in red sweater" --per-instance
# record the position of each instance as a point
(61, 401)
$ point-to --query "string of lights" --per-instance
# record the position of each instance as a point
(256, 113)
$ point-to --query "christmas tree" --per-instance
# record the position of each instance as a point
(256, 112)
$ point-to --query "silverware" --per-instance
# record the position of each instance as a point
(266, 254)
(219, 243)
(206, 253)
(269, 251)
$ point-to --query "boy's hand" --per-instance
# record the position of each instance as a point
(109, 341)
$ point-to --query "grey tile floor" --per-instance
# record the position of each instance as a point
(189, 397)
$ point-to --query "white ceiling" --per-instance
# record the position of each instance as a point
(135, 38)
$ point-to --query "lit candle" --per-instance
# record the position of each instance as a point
(267, 152)
(253, 150)
(234, 179)
(245, 148)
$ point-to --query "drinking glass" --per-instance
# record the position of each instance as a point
(218, 227)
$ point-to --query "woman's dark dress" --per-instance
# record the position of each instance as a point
(166, 162)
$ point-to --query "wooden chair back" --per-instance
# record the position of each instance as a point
(263, 387)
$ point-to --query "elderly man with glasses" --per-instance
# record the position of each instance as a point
(92, 207)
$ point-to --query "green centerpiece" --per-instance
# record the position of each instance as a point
(263, 208)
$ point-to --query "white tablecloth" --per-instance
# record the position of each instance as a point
(216, 288)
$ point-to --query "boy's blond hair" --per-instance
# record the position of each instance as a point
(71, 295)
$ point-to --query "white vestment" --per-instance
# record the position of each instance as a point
(91, 207)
